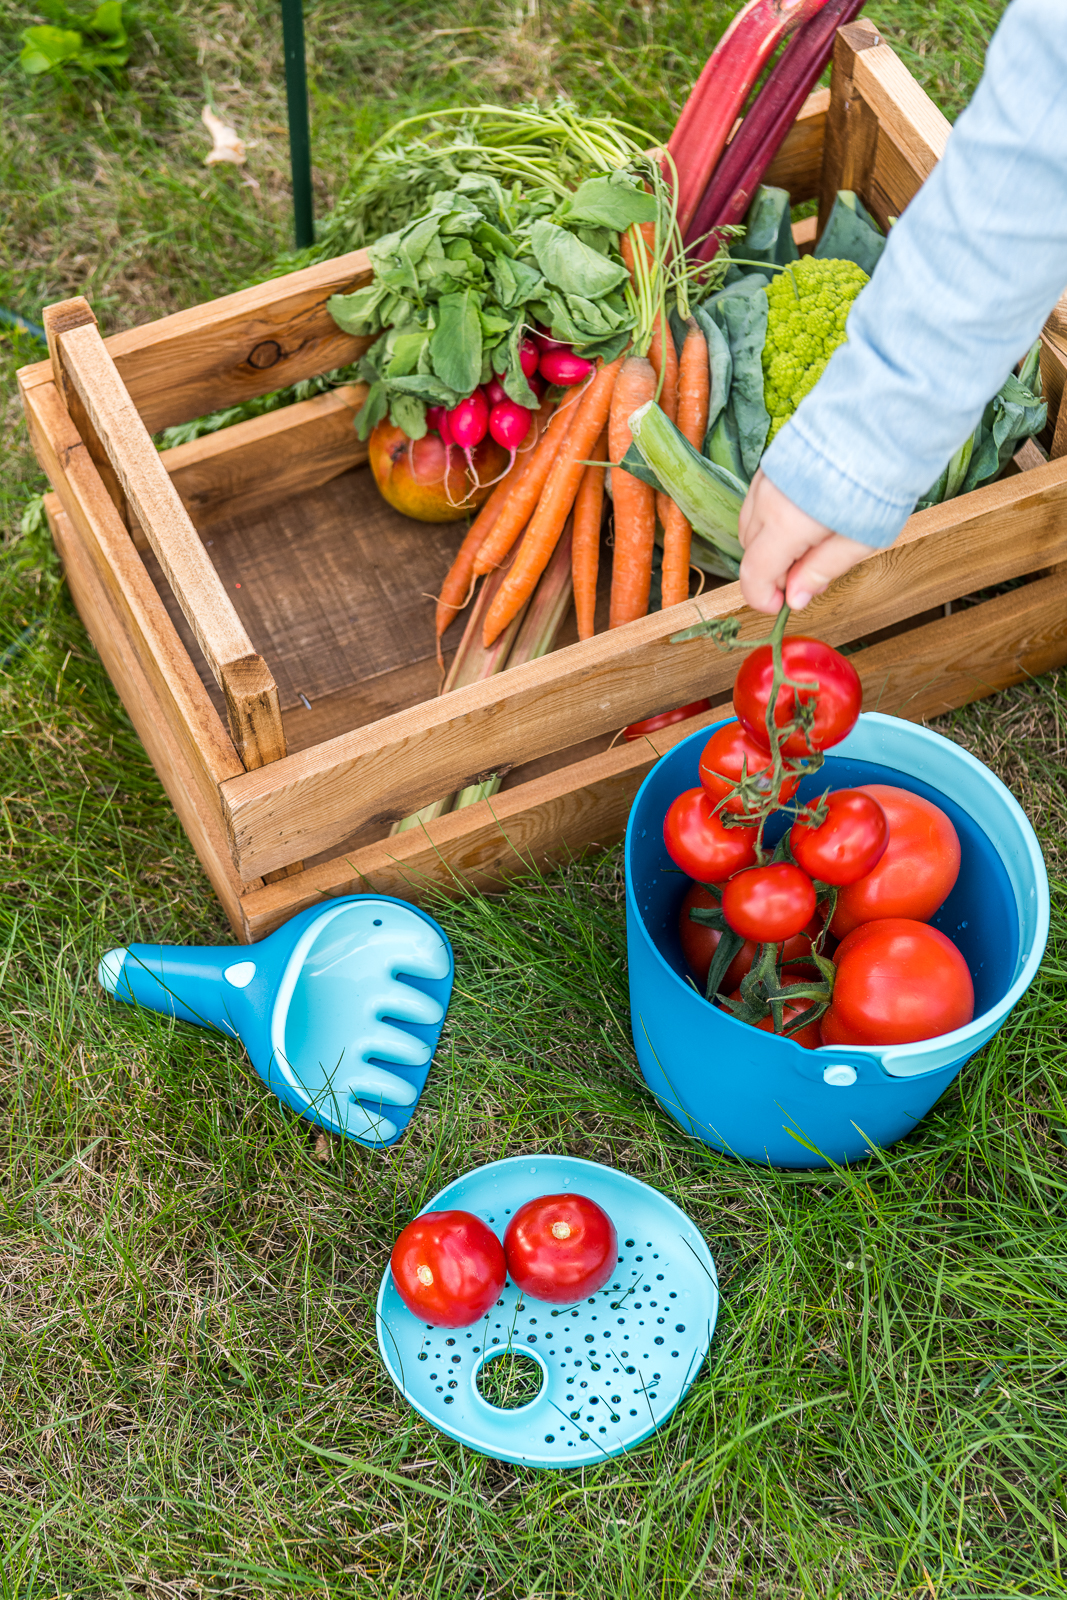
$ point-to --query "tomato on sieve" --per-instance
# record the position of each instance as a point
(848, 844)
(837, 691)
(897, 981)
(448, 1268)
(770, 903)
(915, 875)
(561, 1248)
(728, 751)
(704, 847)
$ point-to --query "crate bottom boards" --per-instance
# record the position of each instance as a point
(573, 801)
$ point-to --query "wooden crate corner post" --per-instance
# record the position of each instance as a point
(115, 433)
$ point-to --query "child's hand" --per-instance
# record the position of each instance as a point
(787, 552)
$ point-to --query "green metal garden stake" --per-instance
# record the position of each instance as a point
(296, 94)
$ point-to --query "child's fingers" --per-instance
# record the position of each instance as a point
(818, 568)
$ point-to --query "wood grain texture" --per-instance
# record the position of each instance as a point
(194, 723)
(152, 497)
(118, 652)
(251, 695)
(335, 588)
(57, 319)
(798, 165)
(892, 183)
(234, 348)
(259, 463)
(851, 130)
(313, 799)
(970, 654)
(903, 109)
(1054, 385)
(922, 672)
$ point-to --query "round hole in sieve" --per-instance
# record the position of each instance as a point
(521, 1363)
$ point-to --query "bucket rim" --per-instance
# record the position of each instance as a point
(961, 1042)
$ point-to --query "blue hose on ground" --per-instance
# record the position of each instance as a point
(15, 321)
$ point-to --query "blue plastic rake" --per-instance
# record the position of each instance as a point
(340, 1010)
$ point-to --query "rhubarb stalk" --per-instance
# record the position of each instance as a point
(753, 147)
(715, 103)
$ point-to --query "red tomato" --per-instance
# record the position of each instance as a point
(561, 1248)
(839, 694)
(704, 847)
(699, 943)
(664, 719)
(897, 981)
(808, 1036)
(448, 1268)
(726, 752)
(769, 904)
(918, 870)
(848, 845)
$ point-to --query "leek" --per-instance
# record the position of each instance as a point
(708, 495)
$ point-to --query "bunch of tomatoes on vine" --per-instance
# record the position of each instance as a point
(821, 936)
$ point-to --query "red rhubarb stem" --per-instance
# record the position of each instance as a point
(755, 144)
(722, 89)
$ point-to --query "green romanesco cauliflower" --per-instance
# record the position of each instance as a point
(808, 308)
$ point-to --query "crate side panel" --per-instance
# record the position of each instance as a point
(797, 167)
(105, 627)
(257, 463)
(919, 673)
(316, 798)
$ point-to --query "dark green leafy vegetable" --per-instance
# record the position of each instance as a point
(851, 234)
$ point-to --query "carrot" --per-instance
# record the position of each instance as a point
(692, 420)
(456, 589)
(634, 501)
(522, 501)
(585, 550)
(664, 359)
(557, 498)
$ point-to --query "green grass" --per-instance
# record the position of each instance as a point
(188, 1275)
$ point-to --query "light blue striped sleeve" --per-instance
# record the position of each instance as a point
(968, 276)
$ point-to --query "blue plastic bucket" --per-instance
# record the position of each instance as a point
(770, 1100)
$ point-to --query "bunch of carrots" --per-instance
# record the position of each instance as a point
(557, 480)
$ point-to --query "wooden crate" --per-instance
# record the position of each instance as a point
(266, 618)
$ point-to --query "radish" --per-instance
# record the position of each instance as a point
(564, 367)
(437, 417)
(509, 423)
(529, 355)
(469, 424)
(495, 391)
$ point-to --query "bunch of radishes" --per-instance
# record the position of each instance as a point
(488, 410)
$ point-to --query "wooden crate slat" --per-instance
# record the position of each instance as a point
(851, 133)
(184, 704)
(267, 459)
(798, 164)
(59, 319)
(235, 348)
(902, 108)
(120, 657)
(315, 798)
(922, 672)
(970, 654)
(251, 694)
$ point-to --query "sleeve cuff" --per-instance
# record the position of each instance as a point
(826, 492)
